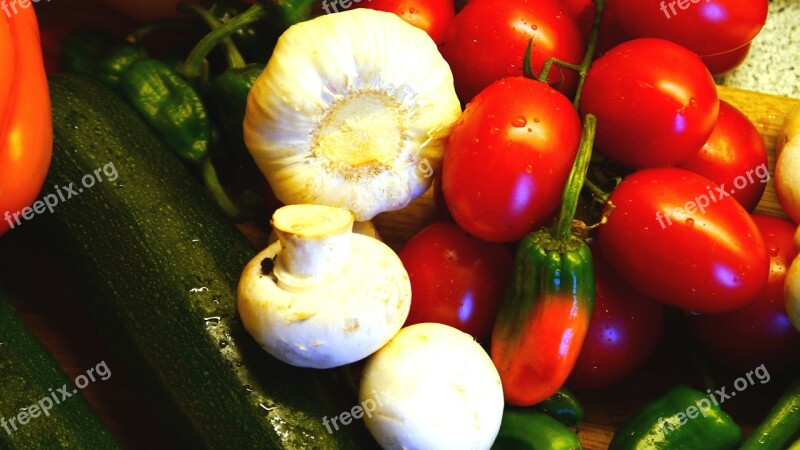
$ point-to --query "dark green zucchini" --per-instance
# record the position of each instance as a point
(159, 265)
(39, 406)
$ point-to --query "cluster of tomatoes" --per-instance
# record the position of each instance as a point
(677, 229)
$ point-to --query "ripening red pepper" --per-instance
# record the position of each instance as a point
(545, 313)
(26, 136)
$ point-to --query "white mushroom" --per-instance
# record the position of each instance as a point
(323, 296)
(432, 387)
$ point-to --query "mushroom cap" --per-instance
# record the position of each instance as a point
(333, 321)
(433, 387)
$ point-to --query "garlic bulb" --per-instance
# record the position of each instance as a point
(323, 296)
(352, 110)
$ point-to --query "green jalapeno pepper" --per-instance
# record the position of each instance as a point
(684, 418)
(171, 106)
(99, 56)
(532, 430)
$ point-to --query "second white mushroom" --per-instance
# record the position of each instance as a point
(323, 296)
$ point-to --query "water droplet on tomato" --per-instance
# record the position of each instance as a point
(689, 222)
(494, 131)
(534, 27)
(529, 168)
(536, 119)
(773, 251)
(519, 122)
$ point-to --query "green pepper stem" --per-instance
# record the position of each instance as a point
(248, 202)
(572, 190)
(235, 59)
(191, 67)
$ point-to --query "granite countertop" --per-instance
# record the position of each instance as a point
(773, 64)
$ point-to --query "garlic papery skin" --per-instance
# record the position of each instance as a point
(323, 296)
(352, 110)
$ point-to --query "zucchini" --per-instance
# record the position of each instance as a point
(32, 386)
(159, 265)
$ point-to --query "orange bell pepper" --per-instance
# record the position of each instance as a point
(26, 128)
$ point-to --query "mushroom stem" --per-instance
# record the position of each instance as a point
(315, 240)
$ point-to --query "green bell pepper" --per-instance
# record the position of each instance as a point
(781, 425)
(171, 106)
(99, 56)
(684, 418)
(524, 429)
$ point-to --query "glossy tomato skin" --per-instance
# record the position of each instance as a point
(734, 157)
(456, 279)
(674, 238)
(656, 103)
(706, 27)
(725, 62)
(508, 157)
(623, 332)
(761, 332)
(488, 38)
(433, 16)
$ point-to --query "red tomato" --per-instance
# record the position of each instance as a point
(611, 33)
(655, 102)
(761, 332)
(488, 38)
(583, 12)
(734, 157)
(456, 279)
(508, 158)
(433, 16)
(623, 331)
(676, 239)
(725, 62)
(706, 27)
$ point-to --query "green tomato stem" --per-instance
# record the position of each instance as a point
(599, 194)
(591, 47)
